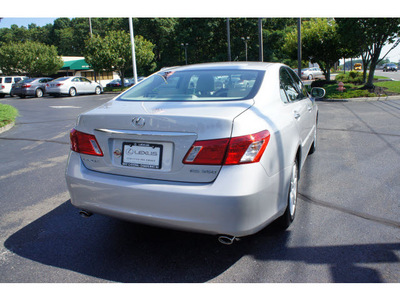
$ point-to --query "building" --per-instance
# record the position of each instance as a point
(77, 66)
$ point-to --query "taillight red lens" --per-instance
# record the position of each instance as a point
(247, 149)
(59, 84)
(26, 85)
(84, 143)
(209, 152)
(237, 150)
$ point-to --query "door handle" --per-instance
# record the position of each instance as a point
(309, 108)
(296, 115)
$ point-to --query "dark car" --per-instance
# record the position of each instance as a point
(30, 87)
(389, 67)
(117, 83)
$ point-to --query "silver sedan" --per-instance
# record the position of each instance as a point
(212, 148)
(72, 86)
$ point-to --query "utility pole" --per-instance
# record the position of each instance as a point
(228, 30)
(245, 44)
(133, 50)
(299, 47)
(260, 41)
(185, 46)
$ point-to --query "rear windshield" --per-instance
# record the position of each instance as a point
(27, 80)
(196, 85)
(61, 79)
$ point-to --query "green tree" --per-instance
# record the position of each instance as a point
(320, 42)
(31, 58)
(368, 36)
(114, 53)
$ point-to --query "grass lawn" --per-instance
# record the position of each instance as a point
(7, 114)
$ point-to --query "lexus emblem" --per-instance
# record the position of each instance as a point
(138, 122)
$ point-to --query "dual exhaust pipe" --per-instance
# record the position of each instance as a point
(223, 239)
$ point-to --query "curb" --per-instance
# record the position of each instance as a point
(7, 127)
(364, 99)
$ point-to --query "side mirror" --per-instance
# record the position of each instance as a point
(318, 92)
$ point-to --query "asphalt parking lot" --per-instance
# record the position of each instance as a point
(347, 227)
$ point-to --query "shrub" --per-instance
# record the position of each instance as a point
(350, 77)
(8, 114)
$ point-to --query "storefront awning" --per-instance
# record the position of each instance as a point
(79, 64)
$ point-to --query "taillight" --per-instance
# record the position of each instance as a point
(26, 85)
(59, 84)
(84, 143)
(231, 151)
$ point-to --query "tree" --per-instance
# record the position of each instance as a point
(31, 58)
(369, 35)
(320, 43)
(114, 53)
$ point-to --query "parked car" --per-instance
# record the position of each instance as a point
(177, 151)
(389, 67)
(30, 87)
(6, 83)
(72, 86)
(117, 83)
(311, 73)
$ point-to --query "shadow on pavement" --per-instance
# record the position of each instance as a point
(120, 251)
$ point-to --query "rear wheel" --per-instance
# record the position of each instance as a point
(287, 218)
(310, 77)
(98, 90)
(39, 93)
(72, 92)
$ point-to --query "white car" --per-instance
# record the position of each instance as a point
(72, 86)
(311, 73)
(6, 83)
(188, 148)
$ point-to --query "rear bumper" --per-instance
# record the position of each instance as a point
(24, 92)
(236, 203)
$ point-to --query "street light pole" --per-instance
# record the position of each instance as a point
(185, 46)
(260, 41)
(133, 50)
(245, 44)
(299, 47)
(228, 30)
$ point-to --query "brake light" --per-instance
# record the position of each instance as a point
(26, 85)
(84, 143)
(59, 84)
(230, 151)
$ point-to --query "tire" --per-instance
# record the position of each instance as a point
(97, 91)
(22, 96)
(288, 217)
(39, 93)
(72, 92)
(310, 77)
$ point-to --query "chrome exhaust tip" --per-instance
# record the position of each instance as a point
(85, 214)
(227, 240)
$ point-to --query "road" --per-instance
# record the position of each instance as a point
(391, 75)
(347, 227)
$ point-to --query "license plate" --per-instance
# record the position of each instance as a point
(142, 155)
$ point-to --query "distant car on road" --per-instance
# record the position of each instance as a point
(72, 86)
(358, 66)
(311, 73)
(389, 67)
(30, 87)
(6, 83)
(117, 83)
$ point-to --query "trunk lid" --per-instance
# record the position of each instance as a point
(150, 139)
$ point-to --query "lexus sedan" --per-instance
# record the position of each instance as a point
(214, 148)
(311, 73)
(72, 86)
(30, 87)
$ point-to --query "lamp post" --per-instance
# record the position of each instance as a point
(185, 46)
(245, 43)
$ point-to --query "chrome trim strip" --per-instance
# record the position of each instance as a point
(151, 133)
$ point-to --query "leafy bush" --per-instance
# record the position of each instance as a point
(350, 77)
(7, 114)
(351, 91)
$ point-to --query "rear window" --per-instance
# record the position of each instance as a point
(7, 80)
(196, 85)
(27, 80)
(61, 79)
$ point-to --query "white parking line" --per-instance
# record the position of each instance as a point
(65, 106)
